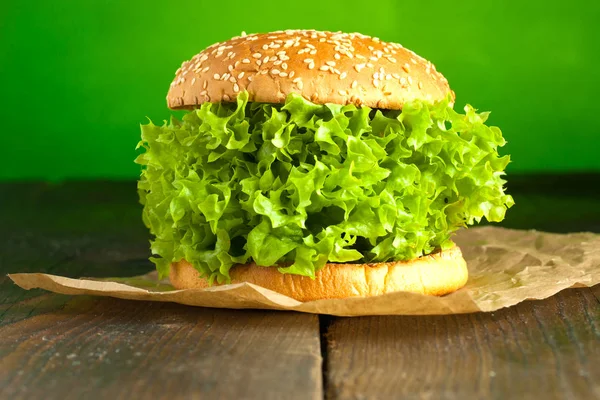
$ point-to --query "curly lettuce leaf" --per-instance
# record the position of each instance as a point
(300, 184)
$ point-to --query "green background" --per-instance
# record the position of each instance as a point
(78, 77)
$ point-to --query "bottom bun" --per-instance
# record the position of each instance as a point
(435, 274)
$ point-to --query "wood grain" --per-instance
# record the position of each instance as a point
(544, 349)
(110, 348)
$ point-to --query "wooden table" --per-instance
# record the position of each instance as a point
(56, 346)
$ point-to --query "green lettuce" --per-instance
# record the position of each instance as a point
(297, 185)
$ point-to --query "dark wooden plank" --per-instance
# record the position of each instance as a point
(55, 346)
(71, 254)
(541, 349)
(45, 227)
(109, 348)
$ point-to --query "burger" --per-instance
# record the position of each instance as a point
(318, 165)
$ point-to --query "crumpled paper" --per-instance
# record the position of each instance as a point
(506, 267)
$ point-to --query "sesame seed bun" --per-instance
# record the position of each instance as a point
(323, 67)
(436, 274)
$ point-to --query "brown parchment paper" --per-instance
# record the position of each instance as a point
(506, 267)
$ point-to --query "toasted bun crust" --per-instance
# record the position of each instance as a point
(324, 67)
(435, 274)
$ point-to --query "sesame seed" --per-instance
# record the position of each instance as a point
(258, 62)
(284, 65)
(277, 62)
(375, 83)
(395, 75)
(205, 84)
(330, 63)
(343, 92)
(245, 61)
(275, 71)
(313, 52)
(410, 81)
(403, 81)
(369, 65)
(240, 75)
(203, 93)
(420, 85)
(324, 68)
(292, 74)
(343, 75)
(205, 69)
(336, 56)
(236, 88)
(412, 60)
(257, 55)
(300, 85)
(388, 77)
(265, 60)
(373, 58)
(232, 79)
(322, 40)
(359, 67)
(273, 58)
(308, 60)
(226, 97)
(297, 80)
(216, 76)
(311, 65)
(250, 78)
(265, 47)
(230, 68)
(353, 86)
(376, 75)
(283, 74)
(193, 81)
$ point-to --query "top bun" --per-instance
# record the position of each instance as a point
(323, 67)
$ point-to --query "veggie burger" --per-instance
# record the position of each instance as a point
(318, 165)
